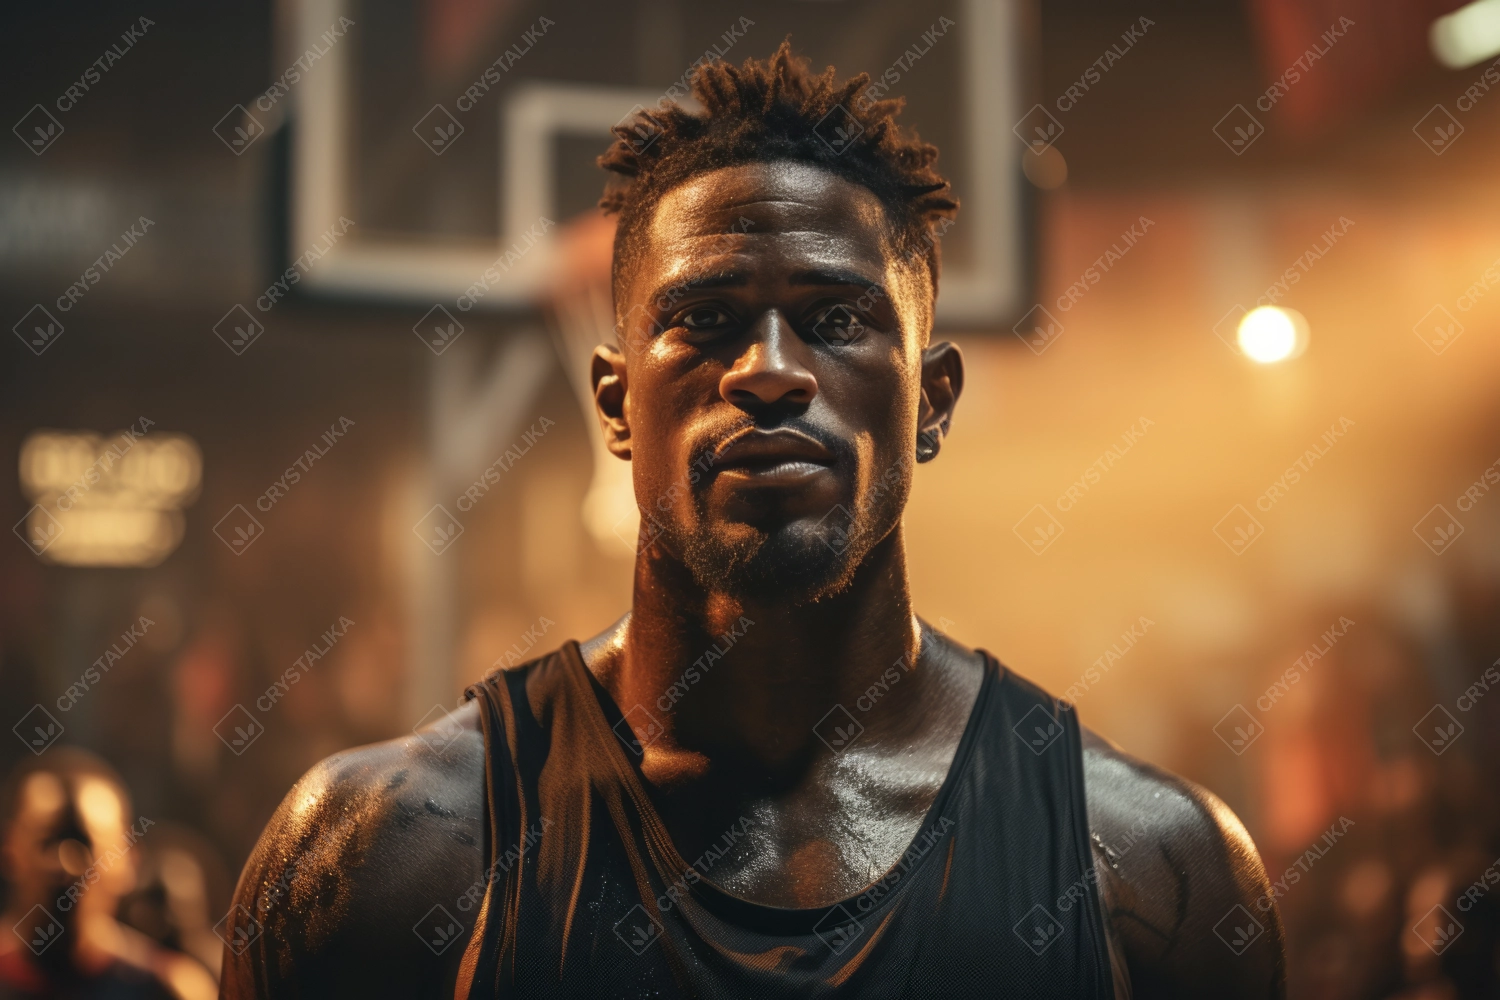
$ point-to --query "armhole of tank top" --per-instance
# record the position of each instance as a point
(1104, 953)
(493, 696)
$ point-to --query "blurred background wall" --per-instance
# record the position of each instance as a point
(1326, 518)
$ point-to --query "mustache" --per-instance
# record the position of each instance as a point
(718, 440)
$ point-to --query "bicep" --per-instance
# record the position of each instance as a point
(1184, 889)
(359, 854)
(279, 928)
(261, 954)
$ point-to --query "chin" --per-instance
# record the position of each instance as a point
(801, 562)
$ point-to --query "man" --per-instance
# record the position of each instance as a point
(67, 852)
(770, 778)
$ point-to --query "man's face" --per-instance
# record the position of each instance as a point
(772, 383)
(62, 837)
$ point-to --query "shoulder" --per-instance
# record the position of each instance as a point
(366, 849)
(1183, 887)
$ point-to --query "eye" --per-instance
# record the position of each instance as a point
(836, 315)
(706, 318)
(837, 325)
(704, 324)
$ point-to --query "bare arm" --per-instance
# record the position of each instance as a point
(338, 899)
(1183, 888)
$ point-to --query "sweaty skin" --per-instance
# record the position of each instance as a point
(752, 407)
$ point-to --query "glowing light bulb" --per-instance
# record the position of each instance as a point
(1269, 334)
(1468, 36)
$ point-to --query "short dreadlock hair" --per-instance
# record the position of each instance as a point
(777, 110)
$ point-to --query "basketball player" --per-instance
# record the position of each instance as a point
(769, 779)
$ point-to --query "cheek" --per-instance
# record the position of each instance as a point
(877, 397)
(661, 407)
(649, 407)
(653, 491)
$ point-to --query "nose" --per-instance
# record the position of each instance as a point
(772, 371)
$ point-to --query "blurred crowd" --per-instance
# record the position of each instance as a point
(1382, 841)
(101, 902)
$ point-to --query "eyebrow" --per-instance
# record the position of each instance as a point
(712, 279)
(822, 277)
(815, 277)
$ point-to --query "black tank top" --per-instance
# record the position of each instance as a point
(587, 897)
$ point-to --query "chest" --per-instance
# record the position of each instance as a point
(821, 840)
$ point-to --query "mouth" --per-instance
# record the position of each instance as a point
(776, 456)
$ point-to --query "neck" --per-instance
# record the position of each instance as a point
(739, 681)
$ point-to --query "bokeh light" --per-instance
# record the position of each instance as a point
(1269, 334)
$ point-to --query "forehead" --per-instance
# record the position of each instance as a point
(784, 213)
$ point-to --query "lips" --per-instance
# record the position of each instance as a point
(772, 454)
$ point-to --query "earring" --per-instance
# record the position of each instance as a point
(928, 443)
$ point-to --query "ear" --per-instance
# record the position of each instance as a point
(607, 371)
(942, 382)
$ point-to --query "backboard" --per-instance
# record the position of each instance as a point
(437, 143)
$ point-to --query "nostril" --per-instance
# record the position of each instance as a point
(773, 369)
(768, 388)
